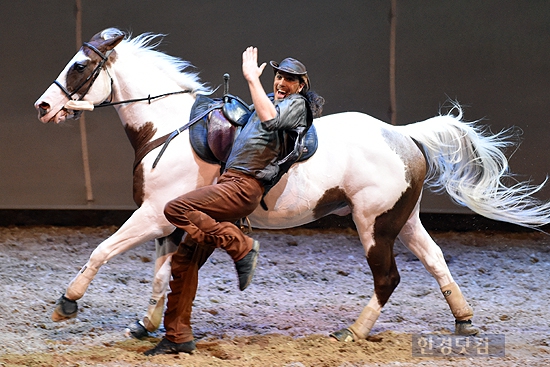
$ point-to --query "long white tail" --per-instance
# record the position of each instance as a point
(468, 163)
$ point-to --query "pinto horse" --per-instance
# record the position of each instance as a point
(362, 166)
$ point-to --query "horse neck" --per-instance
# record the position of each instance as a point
(155, 118)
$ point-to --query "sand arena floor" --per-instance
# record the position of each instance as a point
(308, 284)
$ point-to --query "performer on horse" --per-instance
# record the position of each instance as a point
(254, 165)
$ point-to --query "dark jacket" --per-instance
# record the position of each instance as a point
(260, 145)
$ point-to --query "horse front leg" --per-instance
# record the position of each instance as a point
(131, 234)
(150, 322)
(415, 237)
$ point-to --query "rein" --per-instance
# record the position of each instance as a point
(148, 99)
(93, 76)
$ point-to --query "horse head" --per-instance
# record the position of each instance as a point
(83, 83)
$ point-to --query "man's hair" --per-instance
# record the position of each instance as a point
(316, 102)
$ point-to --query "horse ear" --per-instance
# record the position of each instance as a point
(111, 43)
(106, 44)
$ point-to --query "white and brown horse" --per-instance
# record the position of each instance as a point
(362, 165)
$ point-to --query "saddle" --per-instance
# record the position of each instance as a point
(212, 136)
(215, 129)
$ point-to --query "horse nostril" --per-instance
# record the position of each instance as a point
(43, 108)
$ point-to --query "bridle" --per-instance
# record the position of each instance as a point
(92, 78)
(77, 108)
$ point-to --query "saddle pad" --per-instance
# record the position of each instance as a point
(310, 144)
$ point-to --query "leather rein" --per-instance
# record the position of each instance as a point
(149, 146)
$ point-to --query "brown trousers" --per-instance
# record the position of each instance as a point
(207, 215)
(186, 263)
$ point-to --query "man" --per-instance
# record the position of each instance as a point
(208, 213)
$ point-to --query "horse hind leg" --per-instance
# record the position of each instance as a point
(150, 322)
(378, 239)
(415, 237)
(386, 278)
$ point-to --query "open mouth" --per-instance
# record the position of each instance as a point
(281, 94)
(62, 116)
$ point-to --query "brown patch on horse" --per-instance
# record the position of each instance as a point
(138, 185)
(76, 76)
(388, 225)
(139, 138)
(332, 200)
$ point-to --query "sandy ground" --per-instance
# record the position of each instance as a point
(308, 284)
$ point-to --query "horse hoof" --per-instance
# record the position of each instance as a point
(465, 328)
(136, 330)
(344, 335)
(65, 309)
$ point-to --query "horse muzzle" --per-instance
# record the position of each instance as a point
(48, 114)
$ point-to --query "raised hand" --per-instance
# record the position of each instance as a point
(251, 70)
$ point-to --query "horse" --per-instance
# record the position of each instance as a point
(363, 166)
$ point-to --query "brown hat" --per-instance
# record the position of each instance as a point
(292, 66)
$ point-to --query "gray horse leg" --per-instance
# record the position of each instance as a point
(150, 322)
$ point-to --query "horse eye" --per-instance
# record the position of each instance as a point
(79, 67)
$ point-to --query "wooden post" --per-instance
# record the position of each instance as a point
(393, 31)
(82, 120)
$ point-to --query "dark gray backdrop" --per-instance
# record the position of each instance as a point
(492, 56)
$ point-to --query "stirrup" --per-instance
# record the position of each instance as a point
(245, 225)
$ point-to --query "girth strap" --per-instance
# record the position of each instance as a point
(166, 139)
(148, 147)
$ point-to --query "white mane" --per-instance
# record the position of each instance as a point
(144, 47)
